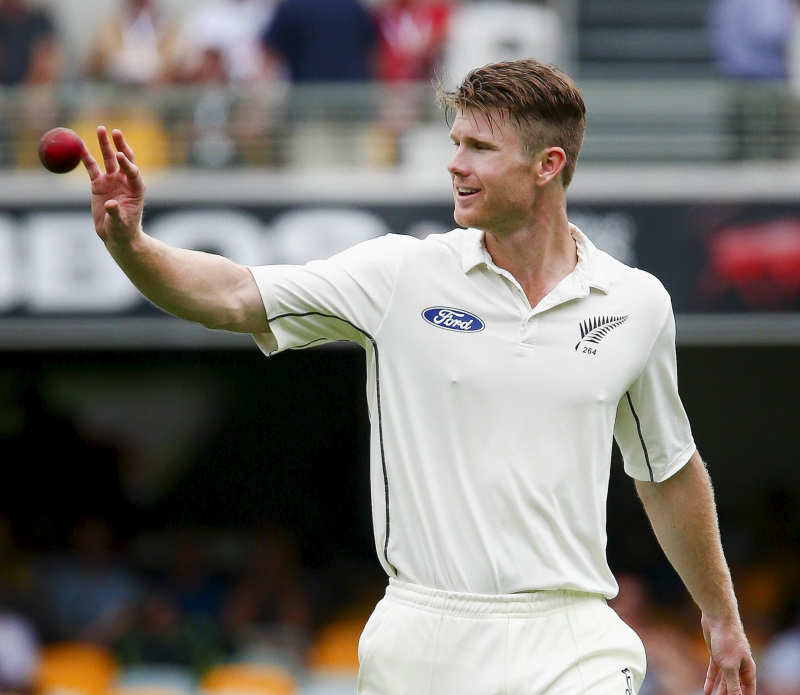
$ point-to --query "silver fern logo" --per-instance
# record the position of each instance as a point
(594, 330)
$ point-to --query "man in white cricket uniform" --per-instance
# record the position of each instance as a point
(503, 359)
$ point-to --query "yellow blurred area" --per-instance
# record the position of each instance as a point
(141, 127)
(248, 679)
(83, 669)
(335, 647)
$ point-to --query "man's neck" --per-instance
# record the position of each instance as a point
(539, 255)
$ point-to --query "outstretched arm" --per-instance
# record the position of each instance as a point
(682, 512)
(192, 285)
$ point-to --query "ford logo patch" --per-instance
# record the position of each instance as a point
(453, 319)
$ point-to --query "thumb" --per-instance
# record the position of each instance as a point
(113, 222)
(113, 211)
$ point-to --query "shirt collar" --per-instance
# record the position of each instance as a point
(588, 272)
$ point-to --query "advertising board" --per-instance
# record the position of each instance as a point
(732, 267)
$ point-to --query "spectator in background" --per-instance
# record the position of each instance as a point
(411, 38)
(19, 650)
(749, 38)
(30, 53)
(160, 633)
(269, 604)
(135, 47)
(749, 42)
(211, 144)
(779, 666)
(91, 595)
(189, 582)
(229, 30)
(322, 40)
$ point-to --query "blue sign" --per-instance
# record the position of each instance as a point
(453, 319)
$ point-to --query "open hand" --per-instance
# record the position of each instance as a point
(731, 664)
(117, 194)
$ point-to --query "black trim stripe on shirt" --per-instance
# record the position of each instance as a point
(378, 396)
(309, 344)
(641, 438)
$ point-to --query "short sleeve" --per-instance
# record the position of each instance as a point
(652, 429)
(343, 298)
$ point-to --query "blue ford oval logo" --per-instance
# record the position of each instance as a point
(453, 319)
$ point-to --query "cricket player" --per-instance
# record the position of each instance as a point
(503, 359)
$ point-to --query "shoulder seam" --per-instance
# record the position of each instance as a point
(641, 436)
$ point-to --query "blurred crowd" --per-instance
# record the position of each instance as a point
(177, 602)
(237, 56)
(80, 564)
(263, 40)
(180, 598)
(756, 44)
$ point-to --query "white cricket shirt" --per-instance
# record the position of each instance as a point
(492, 422)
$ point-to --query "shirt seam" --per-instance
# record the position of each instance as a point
(641, 436)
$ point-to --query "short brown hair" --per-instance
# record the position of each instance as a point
(527, 91)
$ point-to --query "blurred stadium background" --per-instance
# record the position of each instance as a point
(180, 514)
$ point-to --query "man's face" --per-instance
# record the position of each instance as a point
(493, 178)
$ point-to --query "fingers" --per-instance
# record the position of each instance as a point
(711, 677)
(131, 171)
(107, 149)
(741, 679)
(730, 684)
(747, 677)
(121, 144)
(92, 167)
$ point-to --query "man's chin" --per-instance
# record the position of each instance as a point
(464, 219)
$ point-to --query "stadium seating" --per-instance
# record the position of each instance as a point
(75, 668)
(248, 679)
(335, 648)
(620, 39)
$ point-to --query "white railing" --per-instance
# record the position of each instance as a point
(371, 126)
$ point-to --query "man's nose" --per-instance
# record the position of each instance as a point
(457, 165)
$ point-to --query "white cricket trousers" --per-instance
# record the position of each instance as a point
(422, 641)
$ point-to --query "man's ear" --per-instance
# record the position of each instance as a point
(549, 164)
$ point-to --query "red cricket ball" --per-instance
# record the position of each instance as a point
(60, 150)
